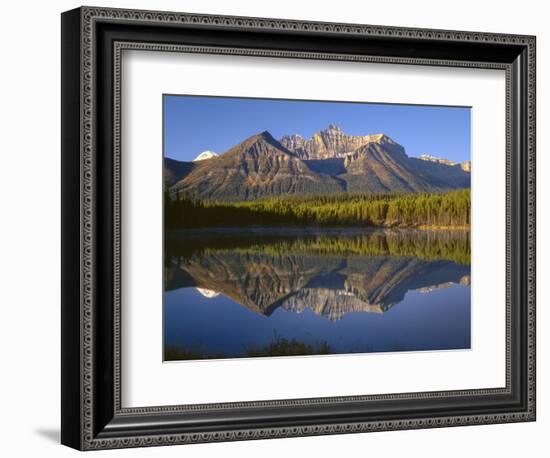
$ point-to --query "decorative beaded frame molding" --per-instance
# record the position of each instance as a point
(89, 15)
(121, 46)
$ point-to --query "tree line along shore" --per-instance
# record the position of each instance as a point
(422, 210)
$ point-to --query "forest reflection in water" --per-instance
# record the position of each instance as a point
(280, 292)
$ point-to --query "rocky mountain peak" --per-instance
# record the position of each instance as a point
(381, 139)
(264, 141)
(466, 166)
(265, 135)
(333, 128)
(332, 142)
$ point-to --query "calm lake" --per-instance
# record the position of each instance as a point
(233, 293)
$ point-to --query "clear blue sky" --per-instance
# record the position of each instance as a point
(193, 124)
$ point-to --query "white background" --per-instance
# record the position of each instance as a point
(147, 75)
(29, 246)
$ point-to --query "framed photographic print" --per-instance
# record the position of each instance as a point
(277, 228)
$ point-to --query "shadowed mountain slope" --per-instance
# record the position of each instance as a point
(174, 170)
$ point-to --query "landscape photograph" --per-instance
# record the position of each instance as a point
(305, 227)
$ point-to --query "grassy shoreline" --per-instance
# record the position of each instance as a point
(443, 228)
(279, 346)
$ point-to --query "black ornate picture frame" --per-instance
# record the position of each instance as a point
(92, 42)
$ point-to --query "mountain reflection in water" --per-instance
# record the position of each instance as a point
(285, 292)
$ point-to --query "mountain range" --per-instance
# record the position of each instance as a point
(330, 161)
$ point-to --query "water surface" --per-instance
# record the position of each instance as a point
(279, 292)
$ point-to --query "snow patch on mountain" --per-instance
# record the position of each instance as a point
(208, 293)
(439, 160)
(205, 155)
